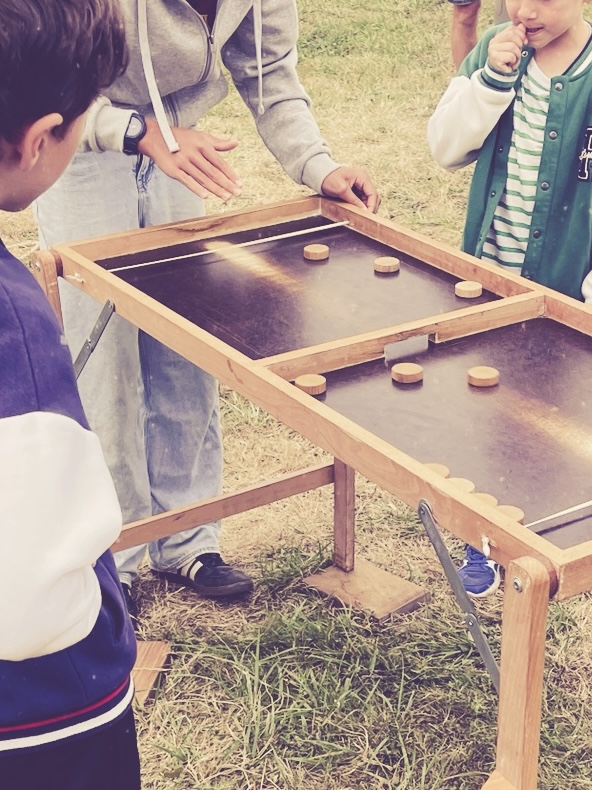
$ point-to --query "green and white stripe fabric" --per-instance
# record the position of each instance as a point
(508, 236)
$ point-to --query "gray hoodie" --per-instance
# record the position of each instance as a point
(175, 74)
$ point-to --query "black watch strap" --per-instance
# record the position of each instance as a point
(136, 129)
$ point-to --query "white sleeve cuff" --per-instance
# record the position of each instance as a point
(464, 117)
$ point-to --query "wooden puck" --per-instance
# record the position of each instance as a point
(487, 499)
(463, 484)
(513, 512)
(407, 372)
(387, 264)
(313, 383)
(468, 289)
(316, 252)
(483, 376)
(439, 469)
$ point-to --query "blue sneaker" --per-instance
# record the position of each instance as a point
(479, 575)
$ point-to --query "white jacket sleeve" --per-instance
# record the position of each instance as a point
(59, 513)
(587, 288)
(464, 117)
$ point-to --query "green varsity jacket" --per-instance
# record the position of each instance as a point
(474, 121)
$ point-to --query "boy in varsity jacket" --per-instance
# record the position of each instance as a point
(66, 642)
(521, 106)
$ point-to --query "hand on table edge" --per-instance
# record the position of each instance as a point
(352, 185)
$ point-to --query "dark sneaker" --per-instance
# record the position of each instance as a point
(479, 575)
(132, 606)
(210, 576)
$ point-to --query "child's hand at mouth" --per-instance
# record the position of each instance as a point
(505, 49)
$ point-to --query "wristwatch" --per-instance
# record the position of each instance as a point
(136, 129)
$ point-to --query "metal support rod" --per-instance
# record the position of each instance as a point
(90, 343)
(465, 603)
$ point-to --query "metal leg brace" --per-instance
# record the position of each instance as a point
(465, 603)
(90, 343)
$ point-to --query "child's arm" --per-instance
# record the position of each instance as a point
(59, 513)
(476, 99)
(587, 288)
(58, 507)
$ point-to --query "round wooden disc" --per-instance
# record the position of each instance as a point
(463, 484)
(387, 264)
(513, 512)
(407, 372)
(316, 252)
(483, 376)
(488, 499)
(468, 289)
(313, 383)
(439, 469)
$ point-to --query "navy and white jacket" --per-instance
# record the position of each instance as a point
(67, 646)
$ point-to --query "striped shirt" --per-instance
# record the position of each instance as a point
(508, 235)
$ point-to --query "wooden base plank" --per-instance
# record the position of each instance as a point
(150, 663)
(369, 588)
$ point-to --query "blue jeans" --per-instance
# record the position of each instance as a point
(156, 415)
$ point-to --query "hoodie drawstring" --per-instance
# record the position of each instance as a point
(148, 67)
(155, 97)
(258, 24)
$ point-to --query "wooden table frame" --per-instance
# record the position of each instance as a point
(535, 569)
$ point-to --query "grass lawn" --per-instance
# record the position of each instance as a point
(284, 691)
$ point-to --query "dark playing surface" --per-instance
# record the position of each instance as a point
(527, 441)
(267, 299)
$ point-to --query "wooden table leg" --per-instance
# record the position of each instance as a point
(344, 516)
(497, 782)
(356, 582)
(46, 267)
(526, 600)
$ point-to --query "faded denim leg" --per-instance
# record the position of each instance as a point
(155, 413)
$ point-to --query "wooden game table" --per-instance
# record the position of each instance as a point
(234, 294)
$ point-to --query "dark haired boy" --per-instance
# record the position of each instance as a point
(66, 642)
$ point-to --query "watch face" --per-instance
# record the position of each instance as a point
(135, 127)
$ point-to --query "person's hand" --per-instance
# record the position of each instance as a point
(353, 185)
(505, 49)
(197, 164)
